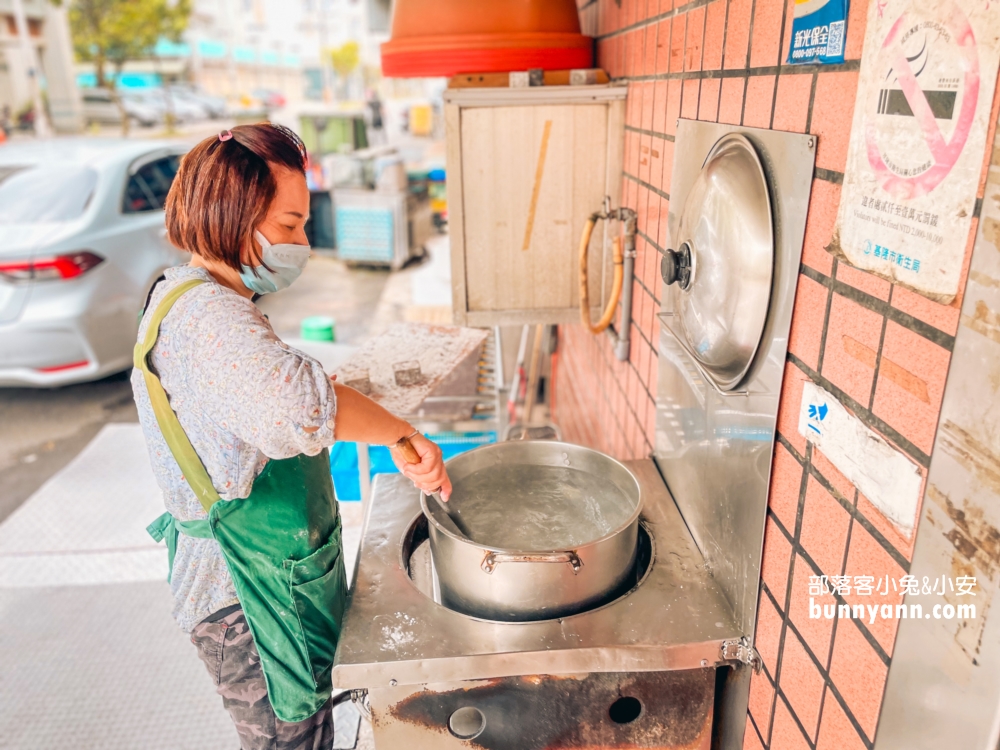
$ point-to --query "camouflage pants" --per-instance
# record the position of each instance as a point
(228, 651)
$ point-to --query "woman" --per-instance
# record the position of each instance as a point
(238, 425)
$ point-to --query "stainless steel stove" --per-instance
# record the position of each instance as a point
(666, 663)
(421, 662)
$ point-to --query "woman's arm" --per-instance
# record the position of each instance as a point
(360, 419)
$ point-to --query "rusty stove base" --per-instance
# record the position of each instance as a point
(603, 710)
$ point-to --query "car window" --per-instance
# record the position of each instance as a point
(147, 189)
(45, 193)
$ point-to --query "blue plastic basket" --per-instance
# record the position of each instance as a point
(344, 459)
(365, 234)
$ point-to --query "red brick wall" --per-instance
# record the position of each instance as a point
(879, 348)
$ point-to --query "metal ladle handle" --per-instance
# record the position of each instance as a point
(493, 559)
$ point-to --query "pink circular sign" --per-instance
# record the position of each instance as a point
(906, 147)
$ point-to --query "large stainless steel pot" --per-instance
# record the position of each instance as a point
(532, 584)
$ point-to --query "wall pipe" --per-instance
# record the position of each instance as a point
(621, 288)
(623, 337)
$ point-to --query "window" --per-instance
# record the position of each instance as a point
(45, 193)
(147, 189)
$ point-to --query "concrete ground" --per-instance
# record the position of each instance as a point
(90, 657)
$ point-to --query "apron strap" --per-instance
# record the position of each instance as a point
(177, 440)
(166, 528)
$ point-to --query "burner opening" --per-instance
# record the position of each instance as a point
(467, 723)
(416, 561)
(625, 710)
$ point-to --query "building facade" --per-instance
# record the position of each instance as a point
(48, 32)
(882, 350)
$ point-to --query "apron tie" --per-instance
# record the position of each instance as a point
(166, 528)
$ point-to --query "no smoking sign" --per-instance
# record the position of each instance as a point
(918, 139)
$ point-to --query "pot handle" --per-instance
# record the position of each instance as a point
(493, 559)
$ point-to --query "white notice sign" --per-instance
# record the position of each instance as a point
(918, 140)
(880, 472)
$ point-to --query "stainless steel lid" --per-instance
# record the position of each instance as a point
(722, 268)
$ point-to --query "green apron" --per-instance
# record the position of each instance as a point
(282, 546)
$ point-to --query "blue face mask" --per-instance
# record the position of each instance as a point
(285, 262)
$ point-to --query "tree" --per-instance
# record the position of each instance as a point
(112, 32)
(344, 60)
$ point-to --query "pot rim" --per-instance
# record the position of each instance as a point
(632, 519)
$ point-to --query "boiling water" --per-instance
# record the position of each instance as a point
(538, 507)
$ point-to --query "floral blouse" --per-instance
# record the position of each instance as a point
(243, 397)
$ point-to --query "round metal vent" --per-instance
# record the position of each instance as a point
(721, 272)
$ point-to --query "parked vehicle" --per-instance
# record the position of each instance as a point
(270, 99)
(82, 240)
(183, 110)
(99, 106)
(214, 106)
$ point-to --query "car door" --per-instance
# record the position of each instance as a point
(143, 199)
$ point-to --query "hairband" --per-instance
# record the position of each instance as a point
(225, 135)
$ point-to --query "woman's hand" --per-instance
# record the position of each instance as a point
(429, 475)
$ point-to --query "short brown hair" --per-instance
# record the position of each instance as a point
(224, 188)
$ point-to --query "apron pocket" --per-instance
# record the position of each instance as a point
(319, 588)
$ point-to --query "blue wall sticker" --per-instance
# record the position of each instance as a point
(819, 31)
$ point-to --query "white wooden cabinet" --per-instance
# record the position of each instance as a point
(526, 167)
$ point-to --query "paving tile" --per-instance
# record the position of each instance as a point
(786, 480)
(776, 558)
(715, 25)
(646, 123)
(824, 528)
(689, 99)
(886, 528)
(791, 106)
(636, 44)
(663, 36)
(761, 700)
(708, 103)
(645, 141)
(859, 675)
(77, 667)
(852, 342)
(759, 98)
(737, 34)
(659, 106)
(832, 474)
(857, 22)
(801, 682)
(808, 318)
(765, 47)
(650, 48)
(751, 741)
(694, 39)
(673, 106)
(823, 204)
(866, 282)
(817, 632)
(833, 111)
(943, 317)
(836, 732)
(678, 30)
(866, 557)
(731, 101)
(789, 405)
(786, 735)
(767, 636)
(910, 385)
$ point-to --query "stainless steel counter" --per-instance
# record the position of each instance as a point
(676, 618)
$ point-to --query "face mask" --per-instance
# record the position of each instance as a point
(285, 262)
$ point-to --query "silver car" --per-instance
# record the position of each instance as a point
(82, 241)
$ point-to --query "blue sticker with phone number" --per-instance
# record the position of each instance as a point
(819, 31)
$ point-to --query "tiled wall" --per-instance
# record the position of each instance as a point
(879, 348)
